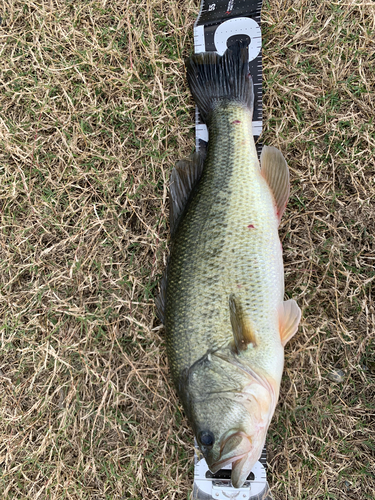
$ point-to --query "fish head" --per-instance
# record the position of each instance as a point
(230, 409)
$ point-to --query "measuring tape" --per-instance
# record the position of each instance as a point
(219, 24)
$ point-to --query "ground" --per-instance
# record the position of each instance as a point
(94, 112)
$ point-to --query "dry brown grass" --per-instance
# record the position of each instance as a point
(94, 111)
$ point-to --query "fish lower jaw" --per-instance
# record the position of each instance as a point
(224, 463)
(241, 468)
(236, 447)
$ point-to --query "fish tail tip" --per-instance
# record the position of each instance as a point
(213, 78)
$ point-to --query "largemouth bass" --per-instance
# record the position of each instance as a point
(223, 299)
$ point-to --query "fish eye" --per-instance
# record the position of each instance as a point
(206, 438)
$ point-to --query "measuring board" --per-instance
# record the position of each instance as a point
(219, 24)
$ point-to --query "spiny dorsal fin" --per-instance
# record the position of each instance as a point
(289, 319)
(184, 178)
(160, 298)
(275, 170)
(242, 330)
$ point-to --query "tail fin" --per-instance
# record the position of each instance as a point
(215, 79)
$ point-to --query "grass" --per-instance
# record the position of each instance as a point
(94, 112)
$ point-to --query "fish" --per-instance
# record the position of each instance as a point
(222, 297)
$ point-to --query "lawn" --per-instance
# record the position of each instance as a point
(94, 112)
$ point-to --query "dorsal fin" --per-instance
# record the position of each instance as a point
(242, 330)
(184, 178)
(289, 319)
(276, 172)
(160, 298)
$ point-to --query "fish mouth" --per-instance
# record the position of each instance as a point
(242, 453)
(235, 448)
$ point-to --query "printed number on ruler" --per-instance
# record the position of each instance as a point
(239, 26)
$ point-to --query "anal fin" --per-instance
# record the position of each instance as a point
(289, 320)
(276, 172)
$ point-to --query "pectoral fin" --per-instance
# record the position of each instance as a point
(242, 330)
(289, 319)
(275, 170)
